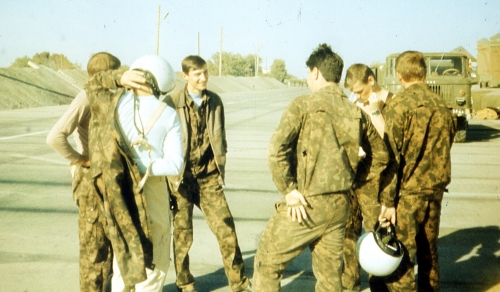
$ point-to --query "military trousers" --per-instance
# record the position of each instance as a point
(96, 254)
(365, 210)
(283, 240)
(417, 228)
(207, 194)
(158, 214)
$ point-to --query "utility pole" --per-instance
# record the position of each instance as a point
(158, 30)
(220, 54)
(257, 60)
(198, 43)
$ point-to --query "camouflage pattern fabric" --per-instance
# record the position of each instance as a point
(200, 184)
(96, 255)
(116, 179)
(418, 230)
(283, 240)
(315, 150)
(317, 132)
(365, 209)
(420, 130)
(207, 194)
(367, 195)
(201, 157)
(215, 129)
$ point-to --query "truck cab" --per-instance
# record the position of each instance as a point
(448, 75)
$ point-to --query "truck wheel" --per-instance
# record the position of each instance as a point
(461, 133)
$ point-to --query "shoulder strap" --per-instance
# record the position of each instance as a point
(156, 115)
(142, 140)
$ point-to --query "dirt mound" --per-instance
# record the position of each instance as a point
(28, 87)
(487, 114)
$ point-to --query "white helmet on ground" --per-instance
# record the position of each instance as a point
(380, 252)
(158, 72)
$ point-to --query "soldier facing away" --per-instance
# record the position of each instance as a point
(135, 141)
(95, 248)
(313, 158)
(419, 129)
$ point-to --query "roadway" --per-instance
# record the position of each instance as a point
(38, 220)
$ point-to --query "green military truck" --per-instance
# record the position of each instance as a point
(448, 75)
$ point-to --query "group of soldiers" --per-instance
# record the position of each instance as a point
(342, 164)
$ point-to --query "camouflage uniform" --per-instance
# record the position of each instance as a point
(315, 150)
(116, 178)
(365, 209)
(200, 184)
(420, 130)
(95, 256)
(95, 248)
(366, 197)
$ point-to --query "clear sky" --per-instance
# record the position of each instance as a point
(359, 31)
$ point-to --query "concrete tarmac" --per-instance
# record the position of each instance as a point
(38, 219)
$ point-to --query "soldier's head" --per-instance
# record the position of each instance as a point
(325, 64)
(102, 62)
(411, 67)
(360, 79)
(195, 72)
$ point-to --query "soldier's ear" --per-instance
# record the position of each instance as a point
(371, 80)
(400, 78)
(316, 73)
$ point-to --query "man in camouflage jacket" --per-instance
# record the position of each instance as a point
(201, 113)
(313, 157)
(116, 178)
(420, 129)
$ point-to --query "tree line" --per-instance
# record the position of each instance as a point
(54, 61)
(244, 66)
(233, 64)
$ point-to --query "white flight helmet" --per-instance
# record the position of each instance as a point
(380, 252)
(158, 72)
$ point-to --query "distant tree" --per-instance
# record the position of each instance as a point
(21, 62)
(54, 61)
(232, 65)
(278, 70)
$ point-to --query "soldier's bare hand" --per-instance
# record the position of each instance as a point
(387, 214)
(296, 202)
(84, 161)
(133, 79)
(375, 102)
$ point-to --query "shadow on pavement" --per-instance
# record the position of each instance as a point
(478, 133)
(217, 279)
(470, 258)
(298, 276)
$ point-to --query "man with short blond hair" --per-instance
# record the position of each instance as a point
(419, 129)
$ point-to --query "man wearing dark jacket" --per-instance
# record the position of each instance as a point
(201, 113)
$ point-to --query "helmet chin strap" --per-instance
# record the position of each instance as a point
(142, 139)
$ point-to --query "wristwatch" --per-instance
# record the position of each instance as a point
(377, 112)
